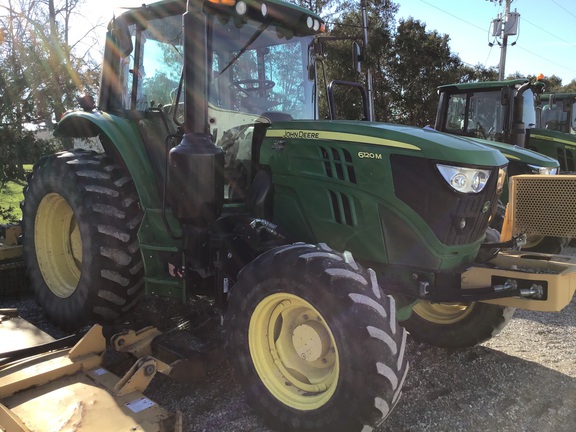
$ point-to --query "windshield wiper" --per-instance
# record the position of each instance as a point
(255, 36)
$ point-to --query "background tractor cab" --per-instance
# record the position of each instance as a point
(556, 127)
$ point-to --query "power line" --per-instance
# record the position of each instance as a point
(545, 59)
(452, 15)
(524, 49)
(559, 5)
(551, 34)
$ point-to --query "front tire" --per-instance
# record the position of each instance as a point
(549, 245)
(80, 219)
(454, 326)
(314, 341)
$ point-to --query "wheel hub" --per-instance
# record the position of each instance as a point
(310, 341)
(442, 313)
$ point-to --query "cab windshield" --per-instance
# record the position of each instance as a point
(258, 68)
(556, 118)
(482, 115)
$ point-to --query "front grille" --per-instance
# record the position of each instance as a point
(517, 168)
(418, 183)
(543, 205)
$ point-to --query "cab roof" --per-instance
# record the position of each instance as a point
(483, 85)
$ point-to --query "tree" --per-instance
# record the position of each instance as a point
(478, 73)
(49, 73)
(420, 61)
(40, 77)
(347, 23)
(570, 87)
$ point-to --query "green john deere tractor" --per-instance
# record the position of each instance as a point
(501, 114)
(555, 132)
(316, 236)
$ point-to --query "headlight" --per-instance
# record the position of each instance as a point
(535, 169)
(465, 180)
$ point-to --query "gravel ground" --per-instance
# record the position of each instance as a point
(524, 379)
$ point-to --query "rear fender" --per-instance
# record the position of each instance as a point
(122, 142)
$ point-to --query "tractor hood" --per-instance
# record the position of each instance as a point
(552, 135)
(424, 142)
(521, 154)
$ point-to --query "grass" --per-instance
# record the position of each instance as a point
(11, 195)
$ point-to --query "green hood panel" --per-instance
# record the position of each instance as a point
(519, 153)
(550, 135)
(389, 138)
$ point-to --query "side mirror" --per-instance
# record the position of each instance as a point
(356, 57)
(314, 50)
(312, 68)
(87, 102)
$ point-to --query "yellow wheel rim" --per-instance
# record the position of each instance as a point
(294, 351)
(58, 245)
(443, 313)
(533, 240)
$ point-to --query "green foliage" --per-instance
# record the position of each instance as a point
(420, 61)
(40, 77)
(570, 87)
(11, 194)
(338, 57)
(478, 73)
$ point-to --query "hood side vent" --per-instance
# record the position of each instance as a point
(338, 164)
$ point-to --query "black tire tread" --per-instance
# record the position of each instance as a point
(104, 201)
(373, 361)
(482, 323)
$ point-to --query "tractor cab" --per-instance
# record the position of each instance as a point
(557, 112)
(493, 111)
(247, 67)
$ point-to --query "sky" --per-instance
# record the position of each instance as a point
(546, 41)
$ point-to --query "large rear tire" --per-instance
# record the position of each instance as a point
(80, 219)
(456, 325)
(314, 341)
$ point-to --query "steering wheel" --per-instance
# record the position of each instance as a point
(244, 87)
(479, 131)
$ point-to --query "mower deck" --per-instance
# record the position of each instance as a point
(68, 389)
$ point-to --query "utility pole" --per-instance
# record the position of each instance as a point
(363, 5)
(502, 27)
(504, 44)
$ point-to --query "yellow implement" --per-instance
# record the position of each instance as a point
(69, 390)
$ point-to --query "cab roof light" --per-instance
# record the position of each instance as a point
(241, 8)
(223, 2)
